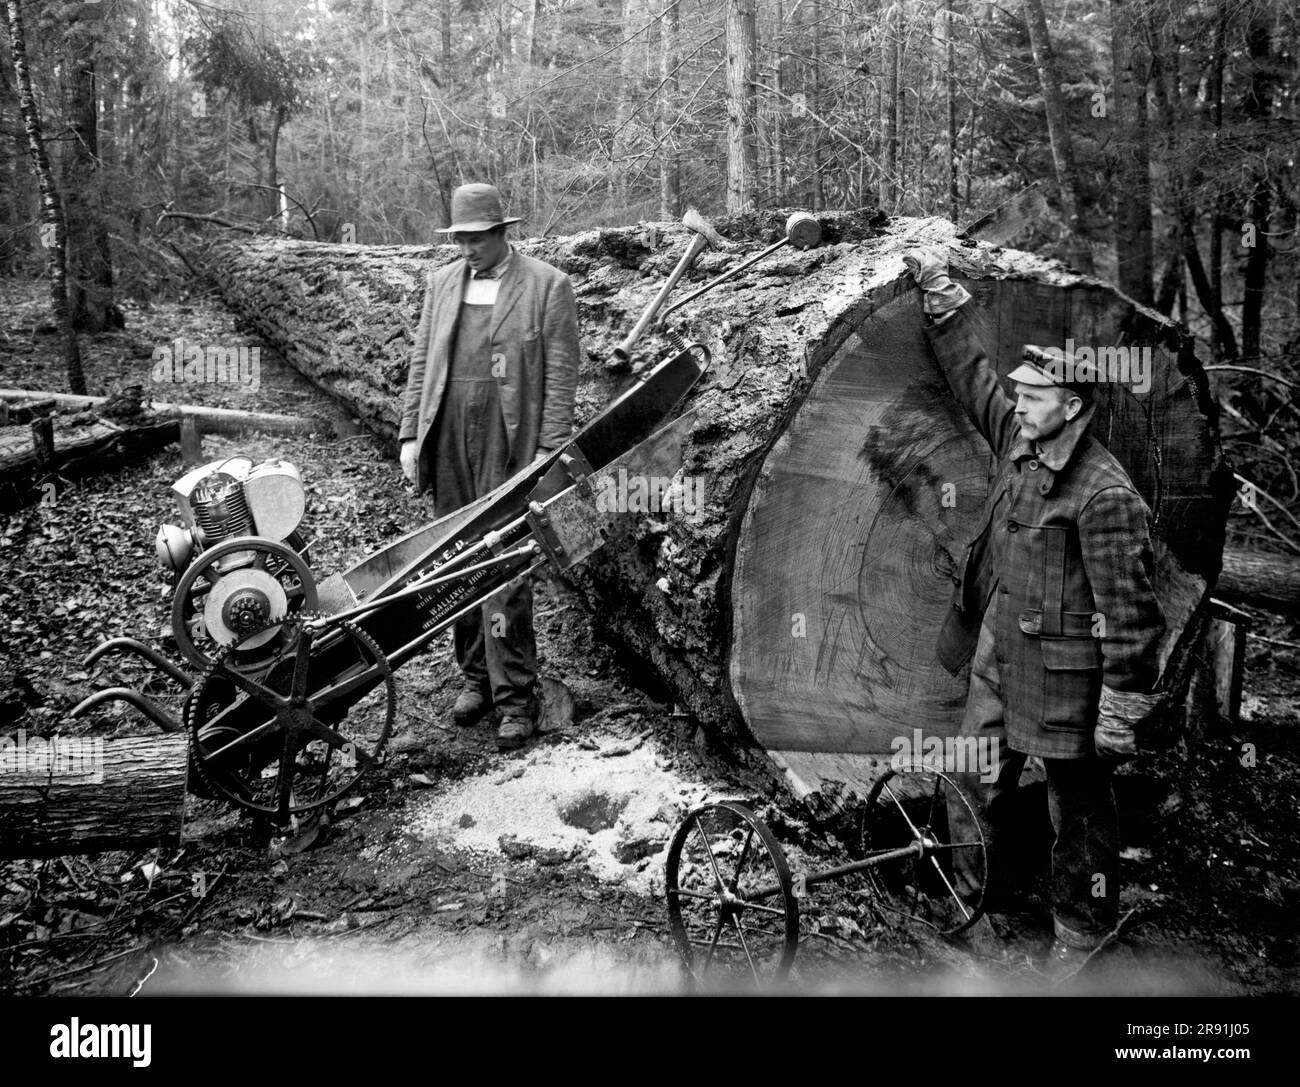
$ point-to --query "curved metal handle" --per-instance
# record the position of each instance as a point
(132, 645)
(149, 708)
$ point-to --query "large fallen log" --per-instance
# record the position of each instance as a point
(83, 794)
(837, 478)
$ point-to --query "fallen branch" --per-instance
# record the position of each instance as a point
(1271, 641)
(280, 192)
(213, 219)
(1253, 370)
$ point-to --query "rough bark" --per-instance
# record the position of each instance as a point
(1271, 582)
(94, 795)
(822, 399)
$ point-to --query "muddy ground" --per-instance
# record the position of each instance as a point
(456, 868)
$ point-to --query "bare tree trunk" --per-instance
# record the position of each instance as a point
(90, 270)
(950, 88)
(448, 6)
(889, 178)
(1058, 130)
(818, 190)
(1164, 85)
(742, 157)
(1257, 106)
(1206, 293)
(1219, 342)
(670, 173)
(627, 85)
(530, 30)
(1133, 169)
(54, 228)
(778, 114)
(273, 160)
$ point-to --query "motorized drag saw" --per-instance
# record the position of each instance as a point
(287, 686)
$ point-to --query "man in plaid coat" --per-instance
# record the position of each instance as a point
(1055, 602)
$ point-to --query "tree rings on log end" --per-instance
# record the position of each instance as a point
(845, 563)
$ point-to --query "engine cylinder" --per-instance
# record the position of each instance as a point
(221, 509)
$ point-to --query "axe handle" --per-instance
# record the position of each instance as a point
(624, 349)
(722, 278)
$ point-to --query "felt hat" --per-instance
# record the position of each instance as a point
(476, 207)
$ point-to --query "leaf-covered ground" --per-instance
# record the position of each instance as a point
(369, 902)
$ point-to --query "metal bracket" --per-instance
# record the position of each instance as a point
(578, 469)
(544, 532)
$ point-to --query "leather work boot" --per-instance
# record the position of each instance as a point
(471, 704)
(514, 731)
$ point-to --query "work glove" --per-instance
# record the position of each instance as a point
(409, 455)
(929, 267)
(1114, 740)
(1119, 713)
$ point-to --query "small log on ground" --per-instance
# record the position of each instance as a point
(83, 445)
(86, 794)
(208, 420)
(803, 593)
(1271, 582)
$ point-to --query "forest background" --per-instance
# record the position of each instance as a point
(1161, 135)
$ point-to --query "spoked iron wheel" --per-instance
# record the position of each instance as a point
(942, 880)
(731, 902)
(299, 735)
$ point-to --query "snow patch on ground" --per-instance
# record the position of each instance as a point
(616, 814)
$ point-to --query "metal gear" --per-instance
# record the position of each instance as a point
(267, 742)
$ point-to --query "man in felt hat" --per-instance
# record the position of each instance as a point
(491, 388)
(1054, 601)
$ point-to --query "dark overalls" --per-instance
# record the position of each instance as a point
(495, 645)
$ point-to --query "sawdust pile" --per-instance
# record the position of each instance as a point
(612, 808)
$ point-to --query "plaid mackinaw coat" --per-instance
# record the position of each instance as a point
(1063, 558)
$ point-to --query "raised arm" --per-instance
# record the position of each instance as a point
(959, 352)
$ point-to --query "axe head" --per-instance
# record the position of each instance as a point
(696, 223)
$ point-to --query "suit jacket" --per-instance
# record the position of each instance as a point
(535, 335)
(1063, 546)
